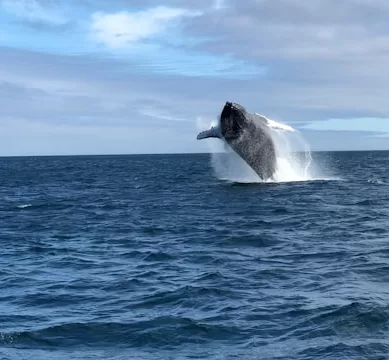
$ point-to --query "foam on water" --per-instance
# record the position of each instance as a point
(24, 206)
(294, 159)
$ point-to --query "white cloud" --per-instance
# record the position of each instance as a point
(125, 28)
(33, 11)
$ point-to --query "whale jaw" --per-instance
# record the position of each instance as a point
(233, 121)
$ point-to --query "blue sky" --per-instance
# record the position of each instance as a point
(132, 76)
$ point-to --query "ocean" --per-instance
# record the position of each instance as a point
(160, 257)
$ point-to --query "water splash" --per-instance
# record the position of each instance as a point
(294, 158)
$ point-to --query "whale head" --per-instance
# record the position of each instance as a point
(233, 120)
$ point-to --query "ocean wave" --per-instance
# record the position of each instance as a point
(163, 331)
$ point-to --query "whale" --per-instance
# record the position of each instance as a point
(249, 135)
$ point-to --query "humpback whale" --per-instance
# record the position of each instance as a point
(248, 135)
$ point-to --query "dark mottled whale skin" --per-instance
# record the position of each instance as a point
(249, 136)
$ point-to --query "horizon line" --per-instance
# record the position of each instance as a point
(172, 153)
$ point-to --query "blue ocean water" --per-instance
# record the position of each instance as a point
(154, 257)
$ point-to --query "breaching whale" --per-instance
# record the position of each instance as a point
(248, 135)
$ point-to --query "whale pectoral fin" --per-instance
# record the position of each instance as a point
(213, 132)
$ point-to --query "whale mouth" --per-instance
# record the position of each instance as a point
(232, 110)
(232, 120)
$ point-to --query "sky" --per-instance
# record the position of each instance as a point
(139, 76)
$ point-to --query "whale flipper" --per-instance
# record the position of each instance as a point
(213, 132)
